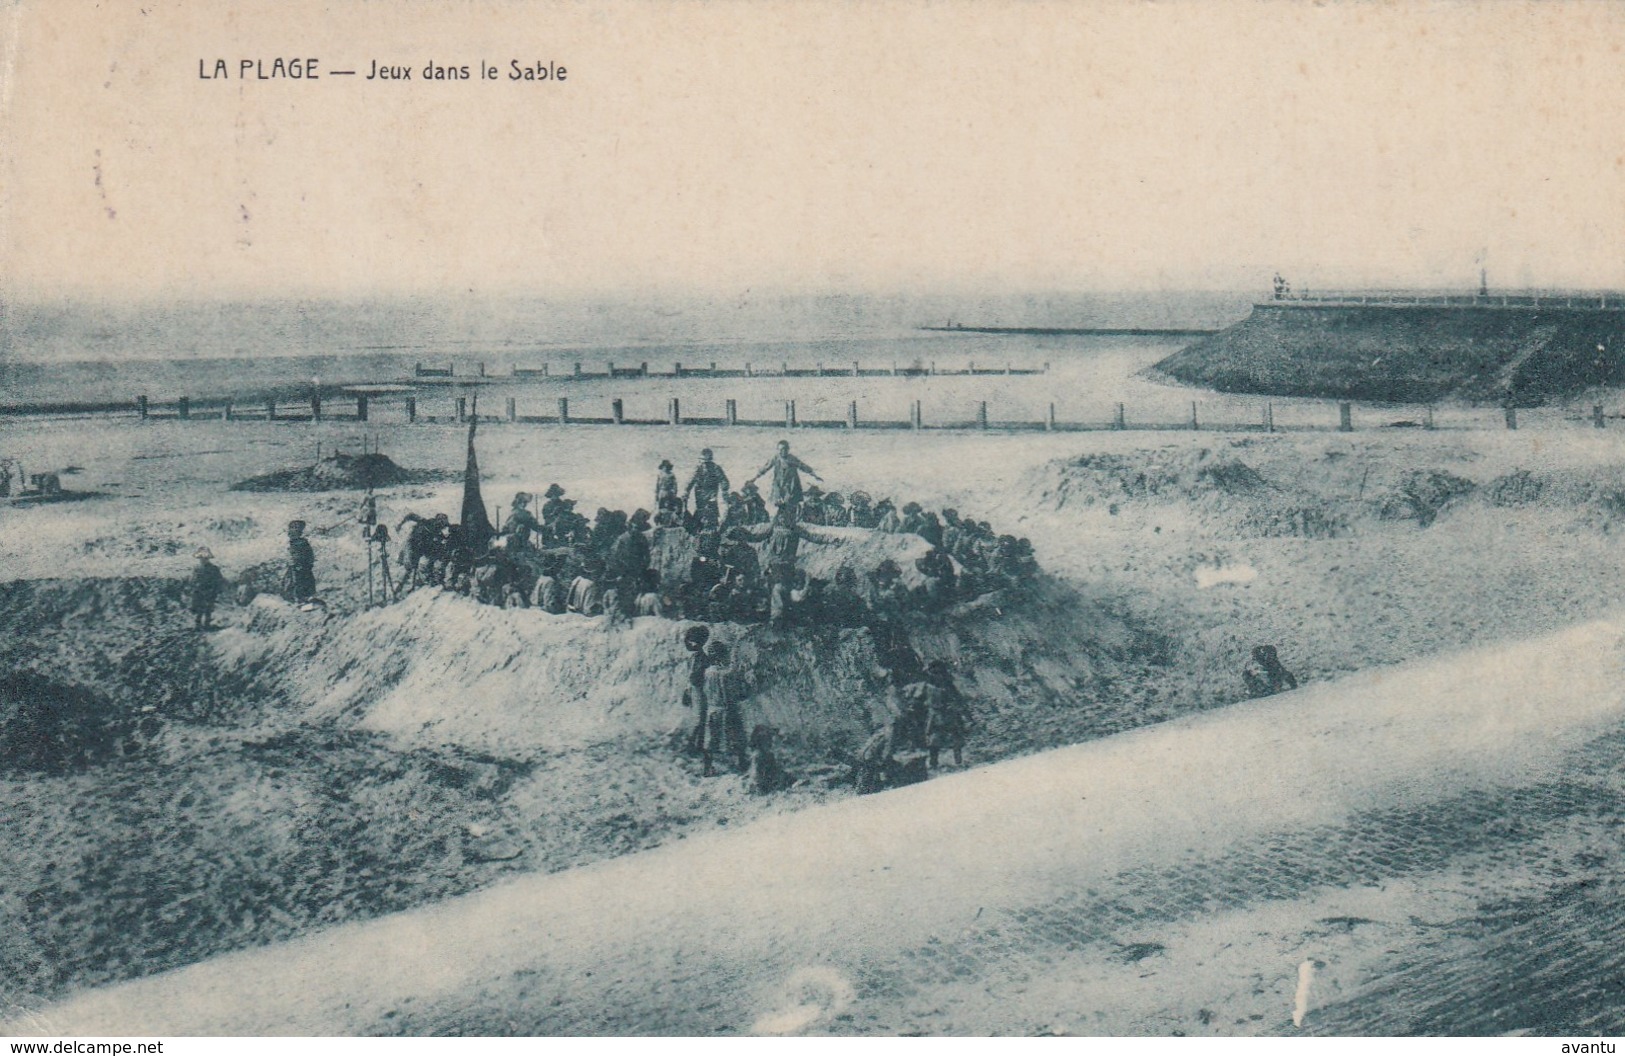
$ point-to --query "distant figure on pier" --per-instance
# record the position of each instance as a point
(786, 469)
(707, 485)
(301, 575)
(1264, 674)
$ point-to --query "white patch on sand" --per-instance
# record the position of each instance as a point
(809, 996)
(1218, 575)
(1300, 1001)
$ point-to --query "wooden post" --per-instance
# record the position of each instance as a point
(462, 408)
(361, 406)
(677, 371)
(316, 406)
(1345, 417)
(270, 410)
(750, 372)
(916, 416)
(617, 412)
(1007, 370)
(1512, 417)
(1117, 417)
(225, 412)
(1596, 414)
(1049, 419)
(578, 370)
(1046, 366)
(852, 415)
(482, 370)
(713, 366)
(789, 414)
(544, 370)
(732, 412)
(411, 408)
(933, 366)
(1194, 424)
(564, 411)
(981, 415)
(644, 368)
(1269, 417)
(672, 415)
(186, 407)
(513, 409)
(1427, 417)
(612, 368)
(141, 405)
(784, 368)
(854, 369)
(820, 370)
(894, 368)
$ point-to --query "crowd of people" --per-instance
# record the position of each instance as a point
(737, 561)
(924, 714)
(726, 559)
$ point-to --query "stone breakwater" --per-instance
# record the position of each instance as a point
(1411, 353)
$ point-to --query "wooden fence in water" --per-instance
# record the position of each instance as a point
(581, 371)
(359, 408)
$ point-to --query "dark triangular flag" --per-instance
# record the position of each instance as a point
(477, 529)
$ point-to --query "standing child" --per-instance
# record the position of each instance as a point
(206, 586)
(725, 720)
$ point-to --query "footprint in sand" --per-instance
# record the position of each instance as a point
(809, 996)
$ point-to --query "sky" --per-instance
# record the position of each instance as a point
(715, 147)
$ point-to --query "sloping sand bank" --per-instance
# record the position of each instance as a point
(714, 933)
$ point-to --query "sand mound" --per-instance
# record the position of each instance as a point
(1421, 495)
(1172, 473)
(438, 669)
(341, 472)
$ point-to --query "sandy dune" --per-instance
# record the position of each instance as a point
(775, 927)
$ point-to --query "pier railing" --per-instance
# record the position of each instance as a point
(1347, 298)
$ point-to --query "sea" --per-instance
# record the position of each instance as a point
(81, 354)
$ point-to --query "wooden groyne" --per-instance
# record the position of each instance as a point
(1337, 417)
(1075, 331)
(583, 371)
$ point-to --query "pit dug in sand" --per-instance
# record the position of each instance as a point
(341, 472)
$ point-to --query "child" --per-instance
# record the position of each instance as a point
(207, 584)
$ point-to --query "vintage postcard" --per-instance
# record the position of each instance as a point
(716, 518)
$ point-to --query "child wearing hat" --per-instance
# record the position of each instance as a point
(301, 564)
(206, 586)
